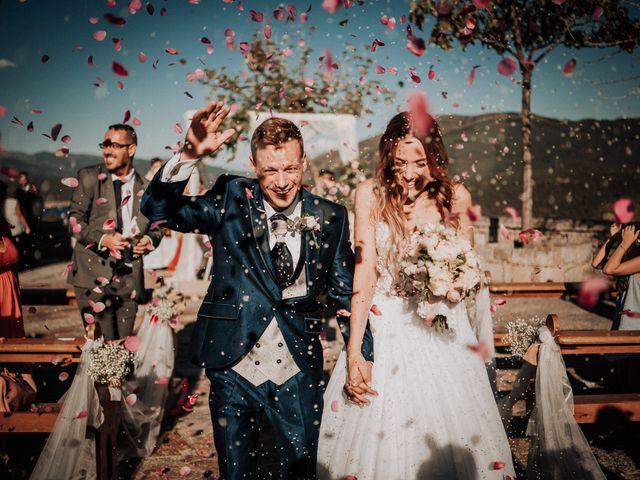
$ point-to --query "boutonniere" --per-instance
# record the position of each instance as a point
(306, 223)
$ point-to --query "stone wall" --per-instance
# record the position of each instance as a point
(563, 254)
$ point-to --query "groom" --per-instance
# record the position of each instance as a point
(276, 248)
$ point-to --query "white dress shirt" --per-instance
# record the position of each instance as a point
(129, 224)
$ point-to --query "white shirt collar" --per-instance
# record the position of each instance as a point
(293, 210)
(124, 180)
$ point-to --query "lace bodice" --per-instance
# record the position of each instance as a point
(384, 285)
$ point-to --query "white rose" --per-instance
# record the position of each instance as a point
(453, 296)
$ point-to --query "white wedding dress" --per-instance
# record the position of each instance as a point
(435, 417)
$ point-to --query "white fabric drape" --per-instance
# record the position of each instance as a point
(142, 419)
(558, 448)
(69, 453)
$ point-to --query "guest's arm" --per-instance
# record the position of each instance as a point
(599, 256)
(615, 265)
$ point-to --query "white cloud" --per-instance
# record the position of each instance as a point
(4, 63)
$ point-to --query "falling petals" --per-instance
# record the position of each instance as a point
(500, 301)
(171, 51)
(591, 290)
(483, 352)
(474, 213)
(131, 399)
(597, 12)
(70, 182)
(81, 414)
(624, 210)
(513, 213)
(63, 376)
(631, 313)
(97, 307)
(184, 471)
(498, 465)
(142, 57)
(114, 19)
(330, 6)
(132, 343)
(343, 312)
(507, 67)
(256, 16)
(109, 224)
(55, 131)
(102, 176)
(267, 31)
(99, 35)
(420, 118)
(472, 75)
(162, 381)
(375, 310)
(335, 404)
(3, 111)
(529, 234)
(569, 67)
(119, 69)
(504, 233)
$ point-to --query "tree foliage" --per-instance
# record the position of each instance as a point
(529, 30)
(293, 80)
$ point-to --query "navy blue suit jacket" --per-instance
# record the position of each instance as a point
(244, 295)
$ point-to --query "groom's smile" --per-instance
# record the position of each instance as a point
(279, 169)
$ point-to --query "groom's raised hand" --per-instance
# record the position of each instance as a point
(203, 138)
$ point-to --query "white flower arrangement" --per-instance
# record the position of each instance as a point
(438, 264)
(521, 334)
(110, 363)
(306, 223)
(165, 306)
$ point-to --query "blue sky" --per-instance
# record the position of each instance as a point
(63, 89)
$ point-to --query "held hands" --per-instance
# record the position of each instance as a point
(114, 241)
(613, 229)
(203, 137)
(629, 235)
(142, 246)
(358, 379)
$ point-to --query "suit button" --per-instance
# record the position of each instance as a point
(257, 345)
(257, 362)
(280, 344)
(278, 361)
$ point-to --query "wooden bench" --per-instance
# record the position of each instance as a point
(41, 350)
(54, 296)
(595, 342)
(529, 289)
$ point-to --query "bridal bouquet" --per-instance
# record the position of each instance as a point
(438, 264)
(165, 306)
(110, 363)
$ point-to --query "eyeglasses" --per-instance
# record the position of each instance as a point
(115, 145)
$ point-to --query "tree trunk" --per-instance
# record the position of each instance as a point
(527, 174)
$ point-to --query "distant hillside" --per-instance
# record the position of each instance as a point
(579, 167)
(46, 170)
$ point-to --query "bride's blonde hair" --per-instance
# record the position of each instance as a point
(391, 190)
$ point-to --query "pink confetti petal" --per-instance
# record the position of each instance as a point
(330, 6)
(343, 312)
(102, 281)
(102, 176)
(101, 201)
(256, 16)
(131, 399)
(431, 74)
(3, 111)
(591, 290)
(134, 6)
(267, 32)
(248, 193)
(126, 117)
(529, 234)
(482, 350)
(99, 35)
(66, 139)
(162, 381)
(109, 224)
(443, 7)
(569, 67)
(507, 67)
(81, 414)
(119, 69)
(94, 20)
(114, 19)
(70, 182)
(498, 465)
(418, 110)
(178, 128)
(474, 213)
(597, 12)
(513, 213)
(132, 343)
(171, 51)
(631, 313)
(55, 131)
(504, 232)
(624, 210)
(335, 406)
(142, 57)
(63, 376)
(97, 307)
(125, 200)
(375, 310)
(89, 319)
(500, 302)
(472, 75)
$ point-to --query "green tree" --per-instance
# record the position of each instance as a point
(284, 79)
(529, 30)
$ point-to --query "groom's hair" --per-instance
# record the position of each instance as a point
(275, 131)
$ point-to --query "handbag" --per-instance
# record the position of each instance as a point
(17, 391)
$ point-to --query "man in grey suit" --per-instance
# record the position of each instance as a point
(111, 236)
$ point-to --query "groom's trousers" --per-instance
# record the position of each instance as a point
(293, 411)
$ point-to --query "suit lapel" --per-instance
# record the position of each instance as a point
(109, 193)
(312, 248)
(258, 220)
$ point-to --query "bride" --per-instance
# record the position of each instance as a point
(425, 408)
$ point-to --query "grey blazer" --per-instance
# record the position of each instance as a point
(88, 263)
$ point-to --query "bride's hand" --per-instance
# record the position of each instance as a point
(359, 379)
